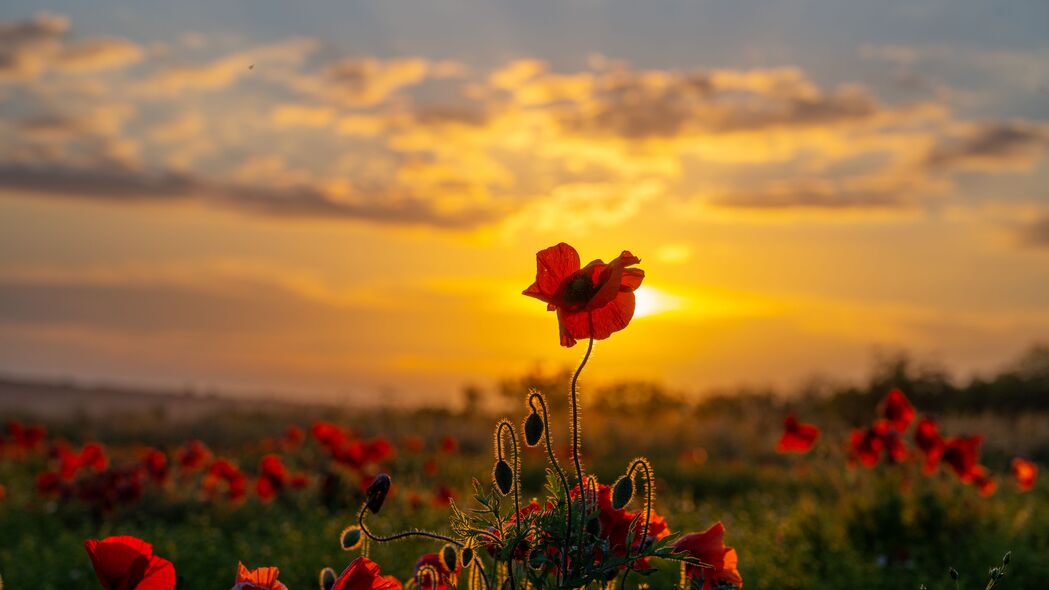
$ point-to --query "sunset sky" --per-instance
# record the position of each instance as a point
(345, 198)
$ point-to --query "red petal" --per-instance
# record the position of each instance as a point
(610, 281)
(160, 576)
(120, 562)
(598, 323)
(553, 266)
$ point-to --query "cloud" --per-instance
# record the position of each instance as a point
(100, 54)
(1035, 233)
(178, 79)
(991, 147)
(114, 183)
(29, 48)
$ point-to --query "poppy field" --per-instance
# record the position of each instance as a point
(911, 480)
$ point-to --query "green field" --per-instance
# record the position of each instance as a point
(796, 521)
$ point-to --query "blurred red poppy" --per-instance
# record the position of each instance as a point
(443, 496)
(797, 437)
(930, 443)
(263, 578)
(709, 547)
(156, 463)
(897, 409)
(449, 444)
(128, 563)
(364, 574)
(3, 492)
(193, 456)
(962, 455)
(591, 302)
(983, 482)
(865, 447)
(1025, 472)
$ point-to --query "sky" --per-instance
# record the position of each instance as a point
(344, 199)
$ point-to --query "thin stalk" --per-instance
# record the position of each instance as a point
(505, 425)
(413, 533)
(574, 398)
(532, 398)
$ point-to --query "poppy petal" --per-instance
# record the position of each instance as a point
(610, 280)
(553, 266)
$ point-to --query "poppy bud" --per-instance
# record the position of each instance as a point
(350, 538)
(327, 578)
(954, 573)
(622, 493)
(533, 428)
(376, 493)
(449, 557)
(504, 477)
(466, 556)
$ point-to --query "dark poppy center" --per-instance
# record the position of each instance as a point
(579, 289)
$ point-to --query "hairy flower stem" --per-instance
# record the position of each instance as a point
(532, 398)
(649, 490)
(413, 533)
(505, 425)
(574, 398)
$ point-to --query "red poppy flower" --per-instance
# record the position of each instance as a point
(193, 456)
(709, 547)
(962, 454)
(423, 574)
(293, 436)
(263, 578)
(797, 437)
(449, 444)
(364, 574)
(3, 492)
(983, 482)
(443, 496)
(865, 446)
(930, 443)
(897, 410)
(127, 563)
(1025, 473)
(591, 302)
(617, 524)
(156, 462)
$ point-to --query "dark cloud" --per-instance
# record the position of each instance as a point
(1036, 233)
(1002, 145)
(113, 182)
(639, 106)
(817, 195)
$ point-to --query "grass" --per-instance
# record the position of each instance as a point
(797, 522)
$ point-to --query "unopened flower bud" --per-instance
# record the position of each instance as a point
(533, 428)
(954, 574)
(327, 578)
(449, 557)
(504, 477)
(351, 538)
(466, 556)
(376, 493)
(622, 492)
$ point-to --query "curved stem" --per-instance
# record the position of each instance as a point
(414, 533)
(649, 485)
(505, 424)
(402, 534)
(532, 398)
(574, 393)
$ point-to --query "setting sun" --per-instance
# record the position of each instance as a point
(650, 301)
